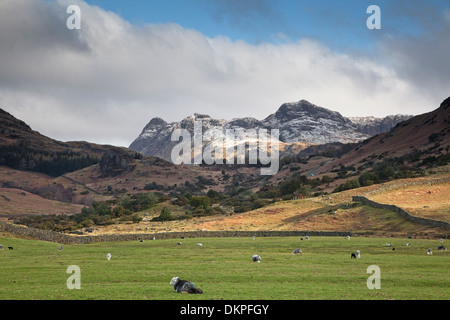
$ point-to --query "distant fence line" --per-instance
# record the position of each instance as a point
(52, 236)
(403, 213)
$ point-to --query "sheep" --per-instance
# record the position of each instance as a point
(388, 244)
(179, 243)
(108, 256)
(1, 247)
(307, 238)
(59, 248)
(184, 286)
(353, 255)
(199, 244)
(297, 251)
(348, 237)
(408, 244)
(10, 248)
(441, 248)
(358, 254)
(430, 252)
(256, 258)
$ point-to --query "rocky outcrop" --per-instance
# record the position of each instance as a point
(115, 162)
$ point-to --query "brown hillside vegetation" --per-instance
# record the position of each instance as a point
(16, 202)
(427, 133)
(335, 212)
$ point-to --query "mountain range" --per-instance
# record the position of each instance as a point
(39, 174)
(301, 124)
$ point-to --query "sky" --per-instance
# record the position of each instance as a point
(131, 61)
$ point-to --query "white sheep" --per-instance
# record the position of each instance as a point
(256, 258)
(108, 256)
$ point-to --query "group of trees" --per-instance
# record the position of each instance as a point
(51, 163)
(97, 214)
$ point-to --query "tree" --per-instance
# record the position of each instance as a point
(198, 202)
(165, 214)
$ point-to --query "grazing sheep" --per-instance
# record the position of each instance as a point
(256, 258)
(10, 248)
(441, 248)
(353, 255)
(179, 243)
(184, 286)
(408, 244)
(388, 244)
(108, 256)
(358, 254)
(307, 238)
(348, 237)
(297, 251)
(1, 247)
(199, 244)
(59, 248)
(430, 252)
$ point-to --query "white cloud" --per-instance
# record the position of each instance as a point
(103, 83)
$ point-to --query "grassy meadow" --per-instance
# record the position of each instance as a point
(222, 267)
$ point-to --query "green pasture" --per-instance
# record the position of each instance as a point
(223, 268)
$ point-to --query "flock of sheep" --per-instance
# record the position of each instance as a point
(176, 282)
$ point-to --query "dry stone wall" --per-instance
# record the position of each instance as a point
(403, 213)
(52, 236)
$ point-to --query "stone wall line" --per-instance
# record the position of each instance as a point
(52, 236)
(402, 212)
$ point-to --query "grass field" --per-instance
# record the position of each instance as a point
(223, 268)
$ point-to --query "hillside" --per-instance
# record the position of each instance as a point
(419, 138)
(25, 149)
(335, 212)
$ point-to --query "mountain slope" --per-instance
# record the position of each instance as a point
(25, 149)
(421, 137)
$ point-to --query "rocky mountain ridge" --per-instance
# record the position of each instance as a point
(297, 122)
